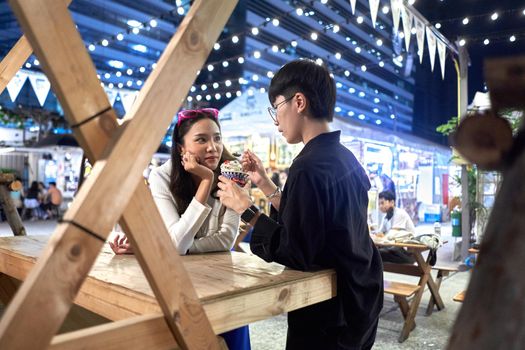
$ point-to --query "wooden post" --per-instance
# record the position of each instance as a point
(8, 183)
(492, 313)
(111, 178)
(13, 218)
(462, 105)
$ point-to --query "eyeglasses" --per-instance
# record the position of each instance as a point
(193, 113)
(273, 110)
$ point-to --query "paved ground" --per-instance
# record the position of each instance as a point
(431, 332)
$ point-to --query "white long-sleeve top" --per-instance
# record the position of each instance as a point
(400, 220)
(201, 228)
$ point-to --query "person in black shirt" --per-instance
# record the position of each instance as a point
(322, 214)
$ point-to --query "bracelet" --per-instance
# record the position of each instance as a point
(276, 193)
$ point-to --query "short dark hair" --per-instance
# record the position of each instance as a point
(387, 195)
(53, 183)
(309, 78)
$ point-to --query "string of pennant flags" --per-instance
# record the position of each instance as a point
(41, 86)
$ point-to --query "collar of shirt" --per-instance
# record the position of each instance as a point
(319, 140)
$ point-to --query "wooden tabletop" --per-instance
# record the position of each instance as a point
(235, 288)
(402, 245)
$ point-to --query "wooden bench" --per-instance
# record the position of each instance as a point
(460, 297)
(401, 291)
(442, 271)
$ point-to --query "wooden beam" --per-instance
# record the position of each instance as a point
(492, 315)
(12, 62)
(235, 289)
(141, 332)
(190, 46)
(10, 211)
(225, 315)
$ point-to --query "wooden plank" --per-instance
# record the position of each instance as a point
(190, 46)
(13, 218)
(235, 288)
(402, 245)
(399, 288)
(163, 272)
(460, 297)
(12, 62)
(404, 269)
(142, 332)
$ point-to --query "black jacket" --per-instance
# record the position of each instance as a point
(322, 223)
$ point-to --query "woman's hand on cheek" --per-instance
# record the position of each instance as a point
(192, 165)
(233, 196)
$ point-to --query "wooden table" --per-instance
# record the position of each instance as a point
(422, 270)
(234, 288)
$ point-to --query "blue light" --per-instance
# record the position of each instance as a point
(116, 64)
(139, 48)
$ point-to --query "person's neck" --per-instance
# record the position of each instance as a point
(314, 128)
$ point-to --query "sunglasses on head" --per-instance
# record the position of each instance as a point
(194, 113)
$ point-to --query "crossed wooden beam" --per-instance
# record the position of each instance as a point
(115, 187)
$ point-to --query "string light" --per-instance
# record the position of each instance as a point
(294, 44)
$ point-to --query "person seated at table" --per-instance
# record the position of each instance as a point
(184, 191)
(396, 222)
(395, 218)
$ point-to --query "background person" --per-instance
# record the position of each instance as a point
(53, 200)
(395, 218)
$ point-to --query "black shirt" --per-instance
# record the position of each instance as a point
(322, 223)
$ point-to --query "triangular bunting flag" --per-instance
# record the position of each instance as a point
(442, 56)
(431, 40)
(407, 17)
(127, 97)
(352, 3)
(41, 86)
(420, 34)
(15, 85)
(395, 6)
(112, 95)
(374, 6)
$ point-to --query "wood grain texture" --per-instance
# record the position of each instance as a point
(13, 61)
(399, 288)
(10, 211)
(492, 314)
(234, 288)
(109, 179)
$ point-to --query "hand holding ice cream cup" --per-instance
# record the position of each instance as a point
(232, 170)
